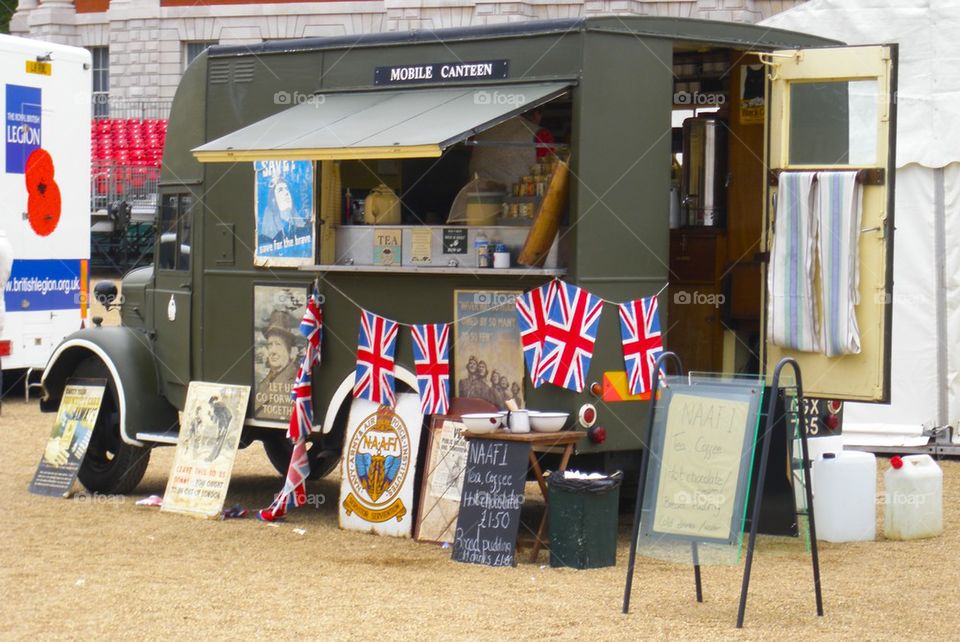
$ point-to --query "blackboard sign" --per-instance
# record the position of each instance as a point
(490, 503)
(700, 454)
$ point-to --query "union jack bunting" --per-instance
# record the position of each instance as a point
(301, 418)
(642, 343)
(375, 347)
(568, 336)
(532, 309)
(431, 354)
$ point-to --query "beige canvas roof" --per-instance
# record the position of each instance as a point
(389, 123)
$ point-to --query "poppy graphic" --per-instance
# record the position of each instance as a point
(43, 200)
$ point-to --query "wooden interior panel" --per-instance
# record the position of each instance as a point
(744, 201)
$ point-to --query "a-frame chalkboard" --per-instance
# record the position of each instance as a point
(681, 503)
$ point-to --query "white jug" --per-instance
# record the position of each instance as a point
(845, 496)
(914, 498)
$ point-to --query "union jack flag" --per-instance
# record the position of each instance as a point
(568, 336)
(375, 347)
(532, 310)
(642, 343)
(294, 491)
(301, 419)
(431, 354)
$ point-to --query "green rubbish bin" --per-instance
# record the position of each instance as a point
(583, 520)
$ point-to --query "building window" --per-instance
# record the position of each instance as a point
(193, 49)
(101, 81)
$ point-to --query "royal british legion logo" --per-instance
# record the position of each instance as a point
(22, 130)
(378, 459)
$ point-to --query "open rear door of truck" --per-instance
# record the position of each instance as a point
(834, 109)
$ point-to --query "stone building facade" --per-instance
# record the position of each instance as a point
(141, 47)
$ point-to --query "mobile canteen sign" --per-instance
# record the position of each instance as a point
(441, 72)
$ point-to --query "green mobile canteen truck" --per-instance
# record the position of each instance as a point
(337, 132)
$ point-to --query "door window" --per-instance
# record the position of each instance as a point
(175, 232)
(834, 122)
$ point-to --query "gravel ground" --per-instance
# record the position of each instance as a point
(100, 566)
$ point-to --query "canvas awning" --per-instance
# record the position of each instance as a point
(408, 123)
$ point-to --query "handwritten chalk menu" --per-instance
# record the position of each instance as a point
(490, 503)
(701, 451)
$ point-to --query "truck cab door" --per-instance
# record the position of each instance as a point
(834, 109)
(172, 303)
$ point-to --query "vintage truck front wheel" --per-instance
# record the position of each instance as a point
(279, 449)
(111, 465)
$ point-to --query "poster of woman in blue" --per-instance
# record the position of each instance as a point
(284, 207)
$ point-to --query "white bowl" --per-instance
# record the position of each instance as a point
(481, 422)
(547, 421)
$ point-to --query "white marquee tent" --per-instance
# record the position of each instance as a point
(926, 302)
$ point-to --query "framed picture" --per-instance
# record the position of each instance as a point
(284, 206)
(278, 347)
(487, 353)
(442, 481)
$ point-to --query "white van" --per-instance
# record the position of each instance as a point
(45, 183)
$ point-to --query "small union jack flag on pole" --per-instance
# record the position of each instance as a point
(294, 491)
(532, 310)
(642, 342)
(568, 336)
(375, 347)
(431, 354)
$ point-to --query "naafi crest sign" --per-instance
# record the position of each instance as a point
(379, 459)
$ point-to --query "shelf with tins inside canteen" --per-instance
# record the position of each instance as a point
(436, 249)
(403, 269)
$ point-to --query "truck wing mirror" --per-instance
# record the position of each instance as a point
(105, 293)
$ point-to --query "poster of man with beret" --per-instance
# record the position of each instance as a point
(278, 348)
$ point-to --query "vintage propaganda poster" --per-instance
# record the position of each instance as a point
(487, 354)
(206, 449)
(278, 348)
(702, 455)
(69, 438)
(284, 206)
(379, 465)
(442, 481)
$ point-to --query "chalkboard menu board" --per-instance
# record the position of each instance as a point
(700, 454)
(490, 503)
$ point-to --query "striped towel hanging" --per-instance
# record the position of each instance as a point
(838, 204)
(792, 305)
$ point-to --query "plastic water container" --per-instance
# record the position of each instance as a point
(816, 447)
(845, 496)
(914, 498)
